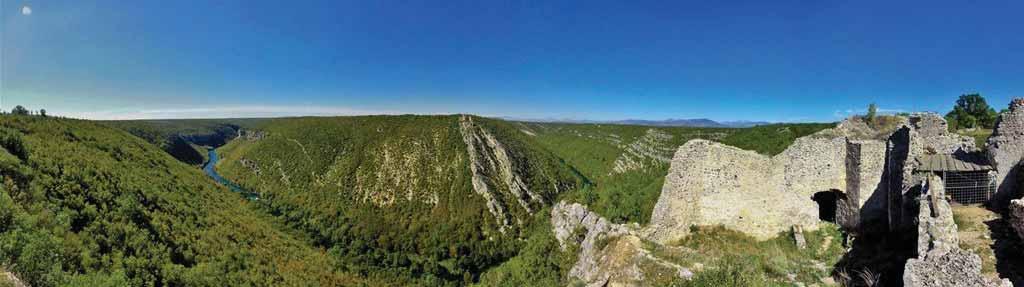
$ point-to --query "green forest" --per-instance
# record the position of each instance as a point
(371, 200)
(83, 204)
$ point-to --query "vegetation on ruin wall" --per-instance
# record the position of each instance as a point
(83, 204)
(363, 186)
(592, 149)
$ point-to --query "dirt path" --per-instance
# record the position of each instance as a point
(985, 233)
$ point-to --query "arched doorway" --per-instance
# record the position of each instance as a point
(828, 204)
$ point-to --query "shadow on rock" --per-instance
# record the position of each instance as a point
(1008, 250)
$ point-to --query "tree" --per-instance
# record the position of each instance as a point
(872, 112)
(972, 111)
(19, 110)
(42, 112)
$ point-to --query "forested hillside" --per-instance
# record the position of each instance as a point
(83, 204)
(185, 139)
(433, 199)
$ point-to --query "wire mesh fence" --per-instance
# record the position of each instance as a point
(970, 187)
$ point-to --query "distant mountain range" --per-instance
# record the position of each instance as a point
(699, 123)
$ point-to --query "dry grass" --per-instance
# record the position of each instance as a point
(722, 257)
(976, 236)
(980, 136)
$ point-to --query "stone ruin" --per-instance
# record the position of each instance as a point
(714, 184)
(1005, 149)
(899, 218)
(871, 184)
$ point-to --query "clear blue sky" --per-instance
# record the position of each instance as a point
(599, 60)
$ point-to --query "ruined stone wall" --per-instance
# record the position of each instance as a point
(1016, 218)
(940, 261)
(1005, 149)
(935, 137)
(865, 161)
(714, 184)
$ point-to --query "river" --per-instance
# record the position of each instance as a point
(210, 170)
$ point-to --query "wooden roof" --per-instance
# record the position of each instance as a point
(953, 162)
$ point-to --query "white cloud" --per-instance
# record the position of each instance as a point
(224, 112)
(25, 10)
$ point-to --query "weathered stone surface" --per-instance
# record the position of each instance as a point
(865, 161)
(942, 268)
(940, 261)
(609, 254)
(1005, 149)
(798, 237)
(1017, 216)
(710, 183)
(936, 228)
(935, 137)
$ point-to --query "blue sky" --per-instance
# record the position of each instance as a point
(596, 60)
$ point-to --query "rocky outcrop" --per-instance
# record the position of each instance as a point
(609, 254)
(1005, 149)
(9, 279)
(251, 135)
(650, 148)
(492, 167)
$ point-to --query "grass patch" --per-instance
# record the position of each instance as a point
(980, 136)
(975, 235)
(731, 258)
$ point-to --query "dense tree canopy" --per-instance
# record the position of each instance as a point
(82, 204)
(19, 110)
(971, 111)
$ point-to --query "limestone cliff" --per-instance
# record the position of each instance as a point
(609, 254)
(493, 169)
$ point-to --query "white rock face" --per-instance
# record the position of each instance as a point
(647, 149)
(609, 254)
(493, 171)
(711, 183)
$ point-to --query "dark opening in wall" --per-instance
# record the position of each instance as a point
(828, 203)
